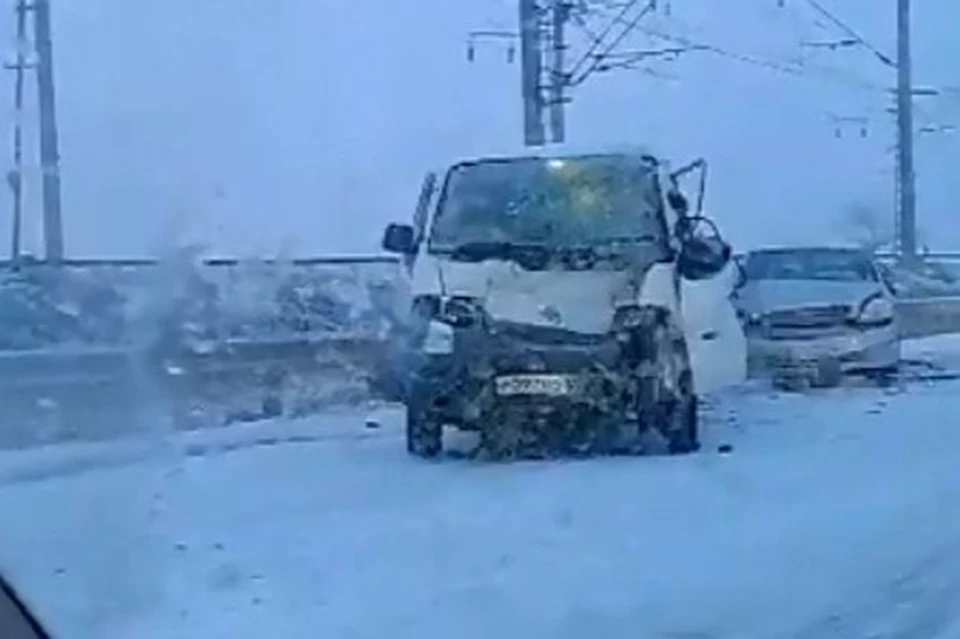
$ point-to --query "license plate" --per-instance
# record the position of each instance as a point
(549, 385)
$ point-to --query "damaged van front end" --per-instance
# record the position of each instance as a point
(555, 329)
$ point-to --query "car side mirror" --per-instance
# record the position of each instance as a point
(888, 281)
(398, 238)
(741, 275)
(892, 286)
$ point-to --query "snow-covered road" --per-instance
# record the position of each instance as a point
(836, 516)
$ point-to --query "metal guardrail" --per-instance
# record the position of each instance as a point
(925, 317)
(259, 369)
(92, 365)
(320, 351)
(946, 256)
(101, 393)
(122, 262)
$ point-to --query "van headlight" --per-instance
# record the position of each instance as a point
(459, 312)
(629, 317)
(875, 311)
(439, 339)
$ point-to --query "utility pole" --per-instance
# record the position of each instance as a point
(907, 201)
(15, 176)
(49, 137)
(558, 75)
(531, 71)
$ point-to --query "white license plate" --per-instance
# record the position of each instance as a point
(550, 385)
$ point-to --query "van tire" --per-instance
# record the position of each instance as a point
(424, 429)
(684, 438)
(673, 413)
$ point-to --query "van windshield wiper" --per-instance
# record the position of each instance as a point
(620, 239)
(489, 250)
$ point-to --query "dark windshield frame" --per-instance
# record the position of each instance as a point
(855, 258)
(663, 231)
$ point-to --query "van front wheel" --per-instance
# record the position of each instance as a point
(424, 428)
(683, 437)
(668, 403)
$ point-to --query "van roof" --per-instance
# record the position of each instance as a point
(557, 151)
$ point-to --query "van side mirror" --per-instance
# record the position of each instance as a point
(703, 257)
(398, 238)
(678, 203)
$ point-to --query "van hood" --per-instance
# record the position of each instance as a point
(582, 301)
(762, 296)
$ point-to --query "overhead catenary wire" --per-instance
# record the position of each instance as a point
(843, 26)
(597, 40)
(795, 69)
(598, 60)
(606, 24)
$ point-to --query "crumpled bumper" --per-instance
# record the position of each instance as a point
(855, 350)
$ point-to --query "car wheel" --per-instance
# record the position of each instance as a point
(884, 377)
(828, 374)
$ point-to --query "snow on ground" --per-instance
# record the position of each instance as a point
(836, 516)
(942, 350)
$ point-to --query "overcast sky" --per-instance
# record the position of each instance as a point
(302, 126)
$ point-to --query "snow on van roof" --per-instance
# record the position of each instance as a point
(557, 151)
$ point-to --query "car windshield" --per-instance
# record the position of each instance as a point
(813, 264)
(573, 201)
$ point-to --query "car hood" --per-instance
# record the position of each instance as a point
(770, 295)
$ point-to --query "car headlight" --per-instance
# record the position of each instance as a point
(875, 310)
(749, 318)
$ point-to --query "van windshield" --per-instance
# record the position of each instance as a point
(558, 203)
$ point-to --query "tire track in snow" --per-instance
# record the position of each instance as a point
(923, 602)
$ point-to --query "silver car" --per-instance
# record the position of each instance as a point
(814, 314)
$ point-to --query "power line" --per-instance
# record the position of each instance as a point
(884, 58)
(651, 5)
(796, 70)
(789, 68)
(598, 39)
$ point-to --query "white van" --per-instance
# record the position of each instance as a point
(564, 302)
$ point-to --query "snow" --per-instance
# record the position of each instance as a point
(114, 304)
(942, 350)
(835, 517)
